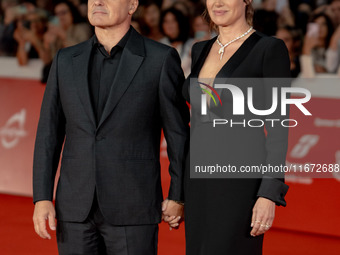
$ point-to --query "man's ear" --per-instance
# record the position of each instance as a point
(133, 6)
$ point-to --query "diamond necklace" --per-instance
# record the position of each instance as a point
(221, 51)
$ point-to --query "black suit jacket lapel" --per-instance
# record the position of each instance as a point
(131, 59)
(235, 61)
(201, 54)
(228, 69)
(80, 66)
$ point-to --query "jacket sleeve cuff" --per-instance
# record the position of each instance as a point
(273, 189)
(175, 194)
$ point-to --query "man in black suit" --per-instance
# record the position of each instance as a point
(107, 100)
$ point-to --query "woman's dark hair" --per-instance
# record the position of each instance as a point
(183, 24)
(330, 26)
(77, 18)
(144, 28)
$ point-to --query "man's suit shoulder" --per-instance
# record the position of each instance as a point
(155, 47)
(152, 48)
(76, 49)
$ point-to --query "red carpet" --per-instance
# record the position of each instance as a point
(17, 236)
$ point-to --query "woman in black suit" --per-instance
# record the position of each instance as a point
(230, 216)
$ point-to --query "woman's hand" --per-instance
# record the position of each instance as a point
(17, 35)
(29, 35)
(310, 43)
(263, 216)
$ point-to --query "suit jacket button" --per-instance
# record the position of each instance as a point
(99, 138)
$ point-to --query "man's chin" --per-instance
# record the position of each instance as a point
(99, 24)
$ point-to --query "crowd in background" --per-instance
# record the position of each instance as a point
(39, 28)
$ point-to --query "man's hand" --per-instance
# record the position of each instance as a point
(263, 216)
(44, 210)
(173, 213)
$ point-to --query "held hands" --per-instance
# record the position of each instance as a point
(263, 216)
(44, 210)
(173, 213)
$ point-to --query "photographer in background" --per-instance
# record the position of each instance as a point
(176, 27)
(151, 20)
(316, 42)
(66, 29)
(29, 35)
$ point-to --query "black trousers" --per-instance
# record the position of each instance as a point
(97, 237)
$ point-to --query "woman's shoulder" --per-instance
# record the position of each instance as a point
(274, 55)
(197, 47)
(267, 42)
